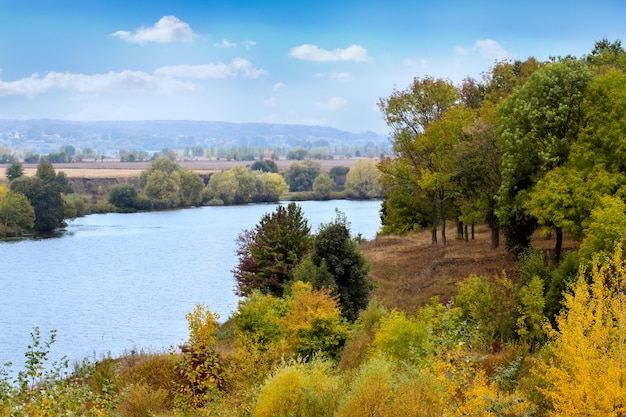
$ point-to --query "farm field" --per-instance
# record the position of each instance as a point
(117, 169)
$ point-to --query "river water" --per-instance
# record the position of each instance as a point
(116, 283)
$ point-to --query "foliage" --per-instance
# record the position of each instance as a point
(243, 185)
(537, 124)
(258, 318)
(15, 170)
(335, 252)
(45, 198)
(585, 369)
(266, 165)
(306, 389)
(169, 185)
(313, 324)
(323, 185)
(363, 179)
(200, 369)
(123, 196)
(301, 175)
(16, 214)
(268, 253)
(607, 226)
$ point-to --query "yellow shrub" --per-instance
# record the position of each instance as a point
(300, 389)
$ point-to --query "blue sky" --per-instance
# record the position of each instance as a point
(317, 63)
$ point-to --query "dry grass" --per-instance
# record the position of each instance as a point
(409, 271)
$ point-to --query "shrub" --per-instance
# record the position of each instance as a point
(300, 389)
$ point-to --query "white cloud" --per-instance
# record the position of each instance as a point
(310, 52)
(167, 29)
(336, 103)
(490, 49)
(217, 70)
(124, 81)
(249, 44)
(279, 86)
(226, 44)
(164, 79)
(459, 50)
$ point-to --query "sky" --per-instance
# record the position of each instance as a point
(322, 62)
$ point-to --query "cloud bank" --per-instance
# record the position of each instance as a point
(165, 79)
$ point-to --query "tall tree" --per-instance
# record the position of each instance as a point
(408, 113)
(268, 253)
(338, 257)
(538, 123)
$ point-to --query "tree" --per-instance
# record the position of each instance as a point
(123, 196)
(16, 214)
(163, 189)
(585, 370)
(538, 124)
(300, 175)
(363, 179)
(408, 114)
(191, 186)
(335, 253)
(45, 197)
(268, 253)
(45, 171)
(15, 170)
(266, 166)
(222, 187)
(323, 185)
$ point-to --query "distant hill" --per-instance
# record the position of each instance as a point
(107, 137)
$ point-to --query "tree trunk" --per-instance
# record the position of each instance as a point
(558, 246)
(473, 231)
(459, 230)
(443, 221)
(467, 235)
(434, 229)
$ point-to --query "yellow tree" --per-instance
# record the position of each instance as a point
(585, 373)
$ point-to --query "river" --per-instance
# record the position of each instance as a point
(116, 283)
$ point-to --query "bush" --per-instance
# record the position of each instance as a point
(300, 389)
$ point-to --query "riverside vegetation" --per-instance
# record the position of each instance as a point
(413, 323)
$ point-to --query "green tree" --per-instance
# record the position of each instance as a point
(123, 196)
(191, 186)
(45, 197)
(607, 227)
(300, 175)
(537, 125)
(298, 154)
(222, 187)
(266, 166)
(323, 185)
(408, 114)
(45, 171)
(16, 214)
(335, 252)
(163, 189)
(363, 179)
(15, 170)
(268, 253)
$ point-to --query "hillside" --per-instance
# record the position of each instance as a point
(107, 137)
(408, 270)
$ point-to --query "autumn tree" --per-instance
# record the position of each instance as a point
(15, 170)
(585, 371)
(363, 179)
(268, 253)
(408, 114)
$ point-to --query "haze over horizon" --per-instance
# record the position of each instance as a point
(323, 63)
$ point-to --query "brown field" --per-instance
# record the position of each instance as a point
(116, 169)
(409, 271)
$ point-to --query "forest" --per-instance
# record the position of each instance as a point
(532, 149)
